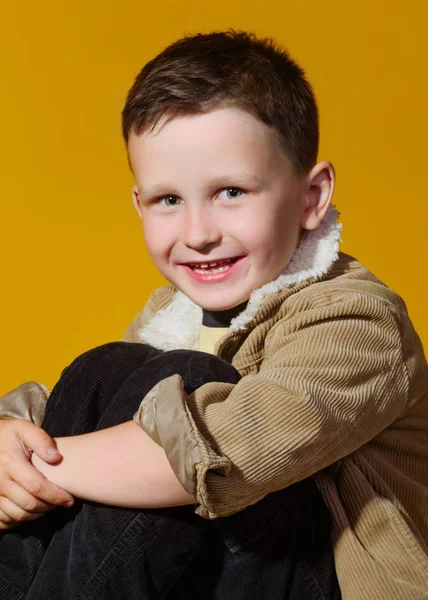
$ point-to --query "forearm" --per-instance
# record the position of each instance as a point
(120, 466)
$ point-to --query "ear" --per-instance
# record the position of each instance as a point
(136, 200)
(319, 193)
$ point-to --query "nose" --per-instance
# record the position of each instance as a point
(200, 230)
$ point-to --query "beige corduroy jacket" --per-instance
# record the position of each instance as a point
(334, 386)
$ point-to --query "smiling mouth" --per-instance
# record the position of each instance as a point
(218, 266)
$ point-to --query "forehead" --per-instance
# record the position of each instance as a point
(226, 138)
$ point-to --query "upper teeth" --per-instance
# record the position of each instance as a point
(211, 264)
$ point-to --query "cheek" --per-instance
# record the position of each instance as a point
(257, 233)
(246, 227)
(286, 238)
(272, 238)
(158, 235)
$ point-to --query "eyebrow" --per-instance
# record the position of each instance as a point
(235, 179)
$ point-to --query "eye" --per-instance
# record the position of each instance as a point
(233, 192)
(169, 200)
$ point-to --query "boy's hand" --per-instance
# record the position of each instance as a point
(25, 494)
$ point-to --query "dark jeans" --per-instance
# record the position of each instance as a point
(279, 548)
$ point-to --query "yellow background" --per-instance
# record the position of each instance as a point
(74, 270)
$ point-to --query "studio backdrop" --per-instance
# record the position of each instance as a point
(74, 269)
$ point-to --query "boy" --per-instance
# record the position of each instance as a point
(332, 385)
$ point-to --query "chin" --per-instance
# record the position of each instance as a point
(213, 300)
(216, 306)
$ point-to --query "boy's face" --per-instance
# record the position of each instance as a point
(216, 187)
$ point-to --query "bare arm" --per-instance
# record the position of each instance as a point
(120, 466)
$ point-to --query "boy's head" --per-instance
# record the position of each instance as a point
(222, 134)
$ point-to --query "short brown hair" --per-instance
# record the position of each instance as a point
(201, 72)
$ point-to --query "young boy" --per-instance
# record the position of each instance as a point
(332, 383)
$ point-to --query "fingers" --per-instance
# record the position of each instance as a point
(23, 500)
(13, 514)
(28, 477)
(5, 522)
(25, 493)
(41, 443)
(17, 506)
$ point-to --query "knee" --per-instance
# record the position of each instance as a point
(198, 368)
(87, 386)
(112, 355)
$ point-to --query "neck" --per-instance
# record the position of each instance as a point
(221, 318)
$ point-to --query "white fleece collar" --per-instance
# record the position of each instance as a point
(178, 325)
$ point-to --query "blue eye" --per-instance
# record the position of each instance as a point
(233, 192)
(170, 200)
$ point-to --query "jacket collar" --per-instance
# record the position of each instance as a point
(178, 324)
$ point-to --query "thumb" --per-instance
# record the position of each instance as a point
(41, 443)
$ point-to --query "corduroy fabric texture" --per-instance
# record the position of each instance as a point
(335, 385)
(279, 549)
(342, 386)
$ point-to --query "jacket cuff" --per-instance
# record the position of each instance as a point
(27, 401)
(165, 417)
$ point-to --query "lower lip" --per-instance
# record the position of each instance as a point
(214, 277)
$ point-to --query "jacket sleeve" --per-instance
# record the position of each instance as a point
(27, 401)
(332, 379)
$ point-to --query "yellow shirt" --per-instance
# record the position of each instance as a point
(209, 336)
